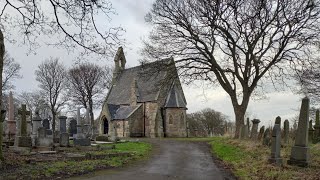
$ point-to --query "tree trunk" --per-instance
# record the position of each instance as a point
(239, 112)
(53, 123)
(2, 50)
(91, 115)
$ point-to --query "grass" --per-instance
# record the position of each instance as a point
(59, 169)
(249, 160)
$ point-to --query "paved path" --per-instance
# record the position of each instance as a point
(171, 160)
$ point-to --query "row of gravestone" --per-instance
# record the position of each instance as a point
(43, 136)
(314, 132)
(300, 154)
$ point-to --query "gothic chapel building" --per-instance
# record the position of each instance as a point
(144, 101)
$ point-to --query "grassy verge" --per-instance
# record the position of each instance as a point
(249, 160)
(67, 168)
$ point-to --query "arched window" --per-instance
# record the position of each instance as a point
(170, 119)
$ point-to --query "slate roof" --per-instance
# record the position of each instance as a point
(174, 98)
(149, 79)
(123, 112)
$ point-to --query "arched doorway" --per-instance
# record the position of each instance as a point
(105, 126)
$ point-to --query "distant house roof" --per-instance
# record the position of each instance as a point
(149, 78)
(174, 98)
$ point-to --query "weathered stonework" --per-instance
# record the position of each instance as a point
(144, 101)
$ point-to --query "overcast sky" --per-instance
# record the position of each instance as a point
(131, 17)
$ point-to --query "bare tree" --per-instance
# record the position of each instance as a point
(238, 44)
(88, 83)
(68, 24)
(35, 100)
(207, 122)
(51, 75)
(11, 71)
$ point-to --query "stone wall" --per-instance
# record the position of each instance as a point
(122, 128)
(175, 122)
(151, 110)
(136, 123)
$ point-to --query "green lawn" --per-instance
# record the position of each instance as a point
(137, 151)
(249, 160)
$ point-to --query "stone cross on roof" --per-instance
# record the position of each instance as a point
(24, 113)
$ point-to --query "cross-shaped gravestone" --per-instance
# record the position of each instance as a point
(23, 113)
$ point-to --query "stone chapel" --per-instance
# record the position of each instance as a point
(144, 101)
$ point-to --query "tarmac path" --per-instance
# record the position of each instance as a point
(171, 159)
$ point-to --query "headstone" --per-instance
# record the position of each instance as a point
(261, 132)
(43, 140)
(73, 127)
(311, 131)
(254, 130)
(300, 154)
(64, 139)
(63, 124)
(57, 137)
(80, 138)
(11, 123)
(46, 123)
(286, 131)
(36, 123)
(275, 146)
(114, 137)
(266, 137)
(278, 121)
(24, 140)
(317, 127)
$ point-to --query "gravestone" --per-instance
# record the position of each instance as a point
(73, 127)
(64, 139)
(57, 137)
(317, 127)
(11, 122)
(87, 125)
(24, 140)
(261, 132)
(43, 140)
(114, 137)
(46, 123)
(63, 124)
(80, 138)
(254, 129)
(266, 137)
(300, 154)
(275, 157)
(286, 131)
(311, 131)
(278, 121)
(36, 124)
